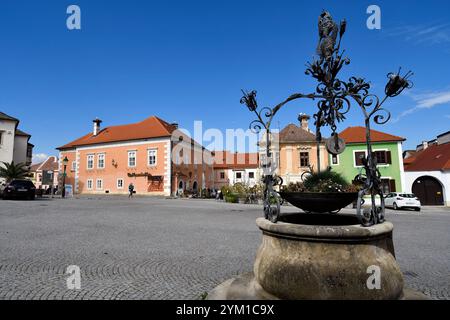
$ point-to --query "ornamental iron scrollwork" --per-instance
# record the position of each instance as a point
(334, 99)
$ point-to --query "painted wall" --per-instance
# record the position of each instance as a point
(8, 129)
(346, 163)
(443, 177)
(20, 149)
(290, 169)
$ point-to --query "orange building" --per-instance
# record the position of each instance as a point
(152, 154)
(294, 151)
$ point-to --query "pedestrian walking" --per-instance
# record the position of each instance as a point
(131, 190)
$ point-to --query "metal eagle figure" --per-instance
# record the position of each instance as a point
(328, 31)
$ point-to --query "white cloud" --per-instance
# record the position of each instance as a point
(431, 34)
(39, 157)
(426, 101)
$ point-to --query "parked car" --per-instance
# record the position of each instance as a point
(19, 189)
(402, 200)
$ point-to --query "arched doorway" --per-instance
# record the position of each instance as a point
(195, 187)
(180, 185)
(429, 191)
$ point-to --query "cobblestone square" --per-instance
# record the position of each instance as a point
(155, 248)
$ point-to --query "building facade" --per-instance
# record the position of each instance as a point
(153, 155)
(294, 151)
(46, 173)
(387, 149)
(231, 168)
(427, 171)
(14, 144)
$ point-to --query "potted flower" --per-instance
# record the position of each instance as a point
(325, 191)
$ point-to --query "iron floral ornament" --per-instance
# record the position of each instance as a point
(334, 99)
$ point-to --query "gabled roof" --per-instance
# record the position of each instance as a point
(434, 158)
(4, 116)
(235, 161)
(22, 134)
(152, 127)
(50, 164)
(358, 135)
(292, 133)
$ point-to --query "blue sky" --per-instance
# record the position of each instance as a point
(188, 60)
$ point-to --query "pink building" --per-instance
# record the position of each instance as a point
(152, 154)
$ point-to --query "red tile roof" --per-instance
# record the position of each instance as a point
(358, 135)
(50, 164)
(434, 158)
(235, 161)
(152, 127)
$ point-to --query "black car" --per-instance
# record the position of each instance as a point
(19, 189)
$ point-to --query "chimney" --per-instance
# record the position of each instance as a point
(97, 123)
(174, 124)
(304, 119)
(424, 145)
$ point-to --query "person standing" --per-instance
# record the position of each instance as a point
(131, 190)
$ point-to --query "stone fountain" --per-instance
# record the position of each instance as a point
(318, 255)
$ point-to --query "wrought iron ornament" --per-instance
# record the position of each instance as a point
(335, 97)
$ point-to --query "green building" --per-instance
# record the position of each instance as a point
(387, 148)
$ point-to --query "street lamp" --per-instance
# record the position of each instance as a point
(65, 162)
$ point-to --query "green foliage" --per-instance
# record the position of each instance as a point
(324, 181)
(231, 198)
(12, 171)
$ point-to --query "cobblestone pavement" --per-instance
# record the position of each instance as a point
(149, 248)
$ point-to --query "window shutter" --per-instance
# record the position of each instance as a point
(392, 186)
(388, 157)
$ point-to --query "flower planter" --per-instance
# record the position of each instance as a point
(319, 202)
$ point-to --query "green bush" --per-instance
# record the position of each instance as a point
(324, 181)
(231, 198)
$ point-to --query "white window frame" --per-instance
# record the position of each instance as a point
(103, 155)
(92, 184)
(338, 160)
(384, 164)
(354, 158)
(123, 183)
(96, 184)
(1, 137)
(74, 166)
(155, 151)
(135, 158)
(93, 161)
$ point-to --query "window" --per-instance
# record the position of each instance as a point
(29, 151)
(90, 161)
(383, 157)
(222, 175)
(99, 184)
(334, 159)
(238, 175)
(152, 154)
(119, 183)
(387, 185)
(132, 159)
(101, 161)
(359, 156)
(1, 137)
(74, 166)
(304, 159)
(89, 184)
(251, 175)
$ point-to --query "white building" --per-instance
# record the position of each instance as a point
(427, 171)
(231, 168)
(14, 143)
